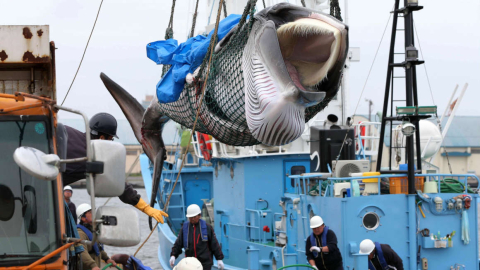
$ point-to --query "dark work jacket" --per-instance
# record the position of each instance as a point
(76, 148)
(202, 250)
(391, 257)
(325, 261)
(73, 210)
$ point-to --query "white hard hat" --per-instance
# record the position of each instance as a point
(68, 188)
(316, 221)
(366, 246)
(193, 210)
(82, 209)
(189, 263)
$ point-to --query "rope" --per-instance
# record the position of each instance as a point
(424, 64)
(84, 51)
(169, 33)
(194, 20)
(433, 99)
(225, 9)
(364, 86)
(303, 3)
(212, 46)
(264, 6)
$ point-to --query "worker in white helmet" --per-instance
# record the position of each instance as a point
(92, 254)
(321, 247)
(198, 239)
(189, 263)
(380, 256)
(67, 194)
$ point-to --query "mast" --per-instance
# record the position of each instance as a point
(410, 114)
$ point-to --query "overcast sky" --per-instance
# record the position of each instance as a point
(448, 31)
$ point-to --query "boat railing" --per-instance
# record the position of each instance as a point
(252, 226)
(313, 180)
(367, 144)
(275, 215)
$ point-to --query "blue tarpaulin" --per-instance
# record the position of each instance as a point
(184, 58)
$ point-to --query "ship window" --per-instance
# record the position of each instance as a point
(371, 221)
(296, 170)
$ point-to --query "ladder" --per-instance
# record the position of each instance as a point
(176, 207)
(411, 97)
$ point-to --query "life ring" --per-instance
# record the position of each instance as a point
(205, 148)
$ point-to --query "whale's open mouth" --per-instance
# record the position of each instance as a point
(310, 48)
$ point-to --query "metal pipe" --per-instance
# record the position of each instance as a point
(450, 118)
(409, 95)
(397, 172)
(32, 80)
(387, 87)
(89, 159)
(416, 123)
(449, 102)
(73, 160)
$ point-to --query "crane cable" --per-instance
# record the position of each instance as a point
(84, 51)
(212, 46)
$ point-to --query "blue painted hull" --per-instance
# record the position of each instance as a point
(254, 195)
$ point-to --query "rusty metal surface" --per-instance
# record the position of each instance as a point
(30, 58)
(3, 55)
(27, 33)
(27, 60)
(24, 44)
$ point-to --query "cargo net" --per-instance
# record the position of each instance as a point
(222, 113)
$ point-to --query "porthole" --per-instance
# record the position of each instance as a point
(224, 229)
(371, 221)
(312, 214)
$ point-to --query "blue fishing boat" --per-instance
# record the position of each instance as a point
(260, 199)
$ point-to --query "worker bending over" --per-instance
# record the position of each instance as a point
(380, 256)
(321, 247)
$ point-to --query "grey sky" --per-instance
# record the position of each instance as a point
(448, 31)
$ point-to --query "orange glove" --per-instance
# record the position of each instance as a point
(147, 209)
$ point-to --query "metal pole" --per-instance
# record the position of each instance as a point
(408, 18)
(416, 123)
(89, 159)
(449, 102)
(387, 87)
(451, 117)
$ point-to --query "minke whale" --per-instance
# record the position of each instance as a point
(291, 66)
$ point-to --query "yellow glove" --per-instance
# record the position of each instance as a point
(147, 209)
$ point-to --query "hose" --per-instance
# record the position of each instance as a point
(297, 265)
(450, 185)
(108, 265)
